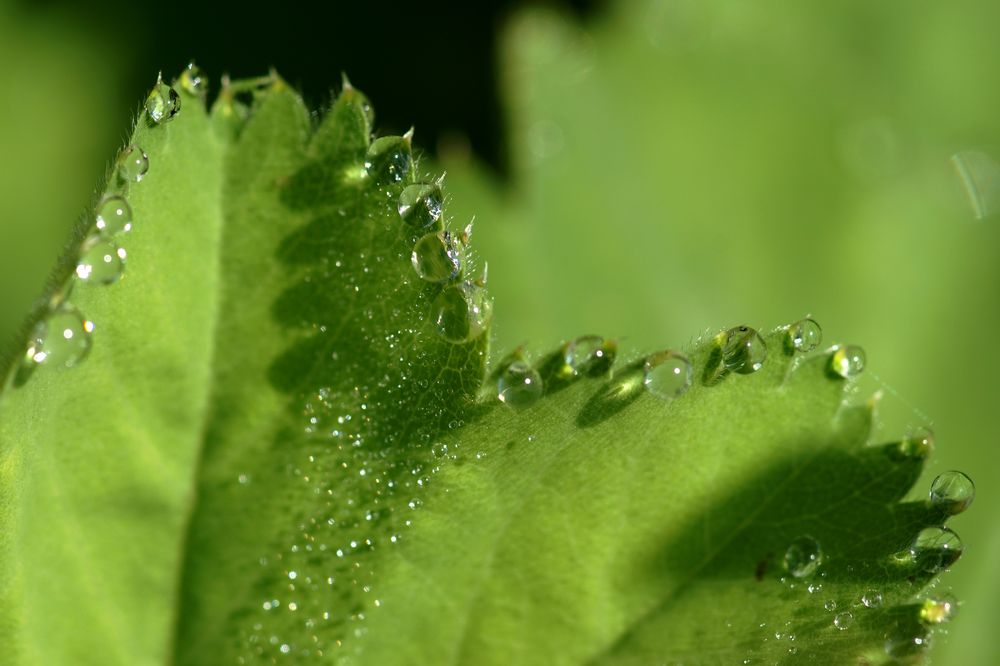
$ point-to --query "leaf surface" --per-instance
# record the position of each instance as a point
(280, 448)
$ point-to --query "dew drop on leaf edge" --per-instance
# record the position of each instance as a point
(743, 350)
(952, 491)
(193, 81)
(437, 257)
(420, 205)
(935, 549)
(163, 103)
(389, 159)
(62, 338)
(519, 385)
(848, 361)
(589, 355)
(667, 374)
(803, 557)
(918, 443)
(461, 312)
(133, 164)
(114, 216)
(804, 336)
(101, 261)
(938, 611)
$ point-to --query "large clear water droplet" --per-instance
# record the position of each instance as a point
(462, 311)
(804, 336)
(163, 103)
(936, 548)
(420, 205)
(667, 374)
(133, 164)
(803, 557)
(848, 361)
(843, 620)
(63, 338)
(437, 257)
(389, 159)
(114, 216)
(743, 350)
(519, 385)
(952, 492)
(589, 356)
(101, 261)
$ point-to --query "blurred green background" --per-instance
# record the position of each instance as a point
(650, 170)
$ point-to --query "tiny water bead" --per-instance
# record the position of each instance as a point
(871, 599)
(803, 557)
(952, 492)
(519, 385)
(102, 261)
(420, 205)
(163, 103)
(63, 338)
(589, 355)
(437, 257)
(133, 164)
(114, 216)
(843, 620)
(847, 361)
(804, 336)
(936, 548)
(667, 374)
(743, 350)
(462, 311)
(389, 159)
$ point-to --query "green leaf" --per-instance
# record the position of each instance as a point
(282, 445)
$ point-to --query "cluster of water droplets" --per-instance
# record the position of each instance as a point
(63, 335)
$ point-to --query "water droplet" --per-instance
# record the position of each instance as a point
(192, 81)
(437, 257)
(830, 605)
(952, 492)
(163, 103)
(741, 350)
(938, 611)
(114, 216)
(918, 443)
(936, 548)
(843, 620)
(803, 557)
(133, 164)
(590, 355)
(871, 599)
(101, 261)
(979, 175)
(63, 338)
(389, 159)
(804, 336)
(420, 205)
(667, 374)
(462, 312)
(847, 361)
(519, 385)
